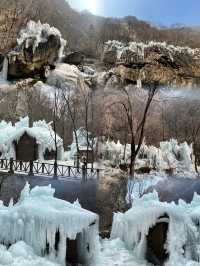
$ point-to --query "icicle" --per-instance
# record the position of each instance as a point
(4, 72)
(11, 203)
(139, 83)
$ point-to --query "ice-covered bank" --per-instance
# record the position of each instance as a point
(160, 232)
(55, 229)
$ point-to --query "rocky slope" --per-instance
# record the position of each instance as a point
(87, 32)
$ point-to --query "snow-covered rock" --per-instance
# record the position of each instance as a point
(143, 63)
(38, 46)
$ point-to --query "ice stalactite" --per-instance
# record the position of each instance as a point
(139, 83)
(4, 72)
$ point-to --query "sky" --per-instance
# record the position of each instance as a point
(159, 12)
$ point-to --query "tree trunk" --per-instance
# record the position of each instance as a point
(195, 159)
(132, 163)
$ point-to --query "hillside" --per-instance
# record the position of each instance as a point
(87, 32)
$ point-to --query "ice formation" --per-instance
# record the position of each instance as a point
(170, 155)
(4, 71)
(83, 144)
(41, 131)
(182, 242)
(140, 48)
(38, 216)
(39, 33)
(4, 84)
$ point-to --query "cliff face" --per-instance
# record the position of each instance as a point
(167, 64)
(10, 23)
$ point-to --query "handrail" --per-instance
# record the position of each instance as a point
(49, 169)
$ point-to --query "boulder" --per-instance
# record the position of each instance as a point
(38, 46)
(74, 58)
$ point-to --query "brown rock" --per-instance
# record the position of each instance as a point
(111, 196)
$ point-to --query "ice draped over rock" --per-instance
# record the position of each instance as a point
(38, 46)
(37, 217)
(143, 63)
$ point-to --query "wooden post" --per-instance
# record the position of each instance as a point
(69, 171)
(42, 168)
(92, 169)
(98, 174)
(84, 169)
(6, 166)
(84, 172)
(55, 170)
(78, 163)
(2, 162)
(31, 169)
(11, 170)
(20, 165)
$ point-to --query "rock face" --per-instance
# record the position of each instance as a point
(39, 46)
(167, 64)
(111, 196)
(11, 19)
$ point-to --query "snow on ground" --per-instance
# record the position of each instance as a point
(20, 254)
(114, 253)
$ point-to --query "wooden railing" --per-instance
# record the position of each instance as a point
(49, 169)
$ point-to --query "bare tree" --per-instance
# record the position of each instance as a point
(135, 126)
